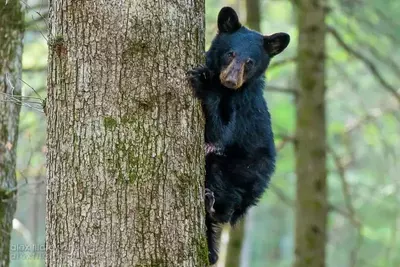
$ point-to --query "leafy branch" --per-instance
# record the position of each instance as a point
(368, 63)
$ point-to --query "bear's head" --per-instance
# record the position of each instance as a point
(237, 54)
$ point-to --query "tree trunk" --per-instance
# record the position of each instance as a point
(253, 14)
(11, 34)
(311, 204)
(125, 135)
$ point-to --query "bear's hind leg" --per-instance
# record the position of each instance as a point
(213, 232)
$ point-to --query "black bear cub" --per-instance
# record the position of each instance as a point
(240, 150)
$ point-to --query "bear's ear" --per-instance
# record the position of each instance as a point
(276, 43)
(228, 20)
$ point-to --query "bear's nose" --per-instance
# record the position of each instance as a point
(230, 83)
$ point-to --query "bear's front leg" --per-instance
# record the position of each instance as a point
(199, 79)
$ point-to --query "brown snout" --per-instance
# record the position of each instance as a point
(232, 75)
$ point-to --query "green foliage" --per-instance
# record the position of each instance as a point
(363, 127)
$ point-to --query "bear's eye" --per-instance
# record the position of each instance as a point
(249, 63)
(231, 54)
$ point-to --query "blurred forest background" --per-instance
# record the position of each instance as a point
(363, 77)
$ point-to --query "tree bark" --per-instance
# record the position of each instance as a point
(125, 135)
(11, 34)
(253, 14)
(311, 204)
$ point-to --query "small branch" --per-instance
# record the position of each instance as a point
(34, 105)
(371, 115)
(34, 9)
(31, 24)
(282, 196)
(282, 62)
(367, 25)
(366, 61)
(40, 15)
(35, 69)
(351, 213)
(283, 90)
(285, 140)
(345, 186)
(33, 89)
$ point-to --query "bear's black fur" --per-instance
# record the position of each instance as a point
(240, 150)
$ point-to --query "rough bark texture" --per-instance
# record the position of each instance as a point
(253, 14)
(311, 209)
(125, 135)
(11, 34)
(236, 236)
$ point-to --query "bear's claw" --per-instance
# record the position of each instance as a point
(209, 201)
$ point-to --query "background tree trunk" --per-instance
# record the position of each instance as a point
(125, 135)
(11, 34)
(236, 236)
(253, 14)
(311, 203)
